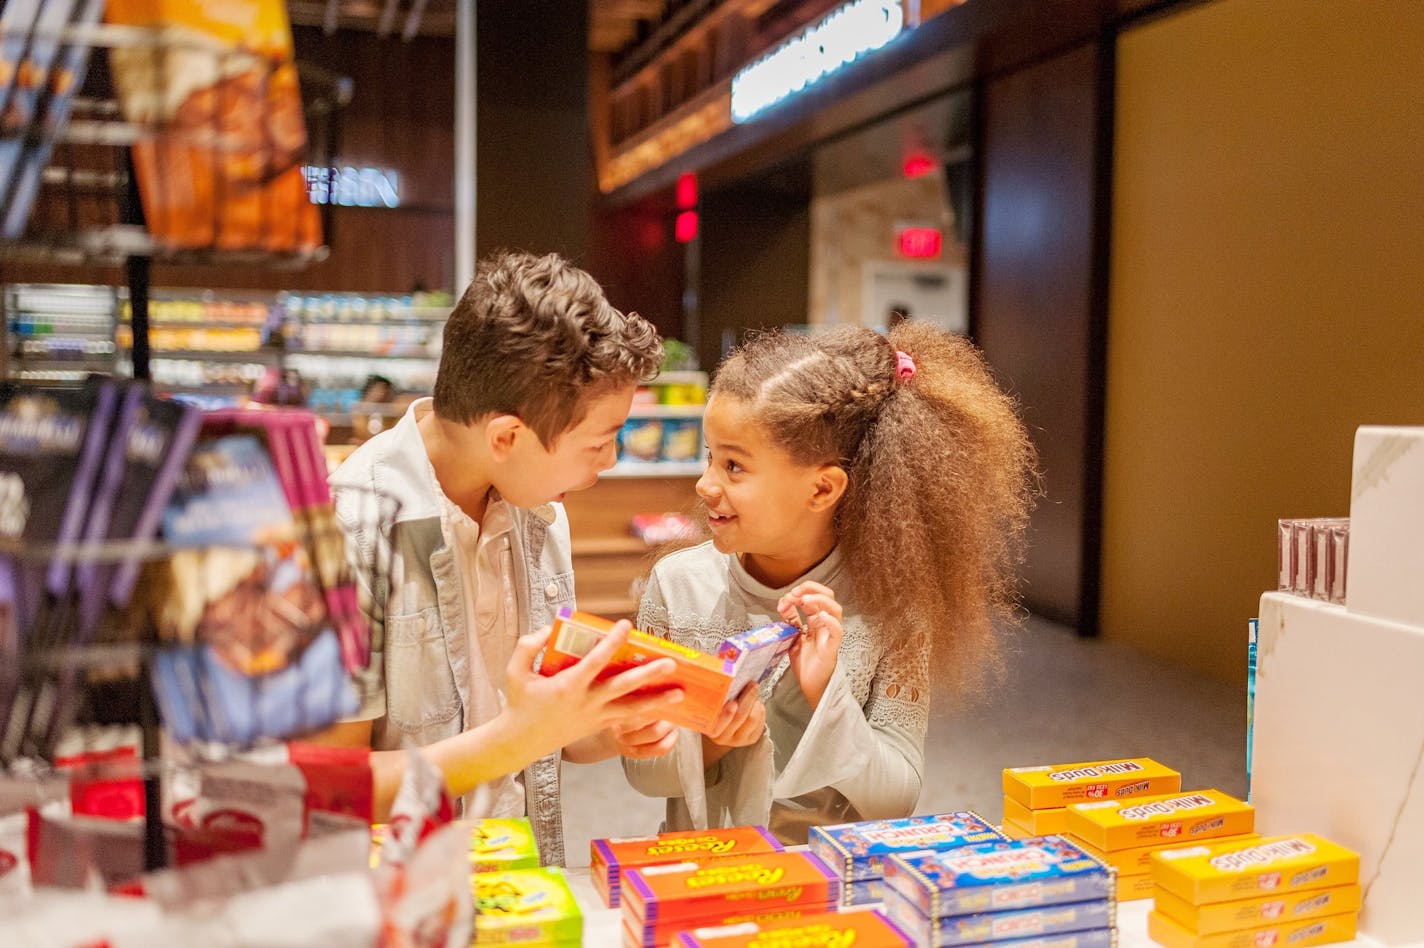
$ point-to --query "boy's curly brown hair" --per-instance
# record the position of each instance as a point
(942, 476)
(533, 336)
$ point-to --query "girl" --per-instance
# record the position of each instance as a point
(880, 487)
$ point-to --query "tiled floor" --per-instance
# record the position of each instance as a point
(1062, 699)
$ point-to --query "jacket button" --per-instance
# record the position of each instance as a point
(551, 590)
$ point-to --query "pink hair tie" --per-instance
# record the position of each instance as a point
(904, 366)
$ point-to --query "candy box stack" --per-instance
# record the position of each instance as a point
(526, 907)
(661, 901)
(863, 929)
(1126, 832)
(858, 850)
(1044, 889)
(1036, 798)
(611, 858)
(1283, 890)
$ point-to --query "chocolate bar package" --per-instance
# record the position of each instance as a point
(756, 653)
(995, 927)
(1125, 824)
(65, 75)
(1276, 864)
(526, 907)
(250, 653)
(1233, 916)
(1043, 870)
(1297, 934)
(859, 850)
(868, 929)
(611, 858)
(1055, 785)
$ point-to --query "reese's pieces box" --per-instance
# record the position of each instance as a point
(611, 858)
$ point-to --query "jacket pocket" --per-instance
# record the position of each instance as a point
(548, 593)
(420, 688)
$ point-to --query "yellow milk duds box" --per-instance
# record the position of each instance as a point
(1132, 888)
(1302, 934)
(1124, 824)
(1223, 873)
(1138, 860)
(1055, 785)
(1220, 917)
(1046, 822)
(1016, 830)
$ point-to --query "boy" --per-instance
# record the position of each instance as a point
(536, 378)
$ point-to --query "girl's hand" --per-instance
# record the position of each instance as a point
(813, 655)
(641, 743)
(741, 723)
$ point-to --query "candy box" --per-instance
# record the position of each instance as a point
(868, 929)
(1220, 917)
(658, 900)
(1042, 870)
(611, 858)
(1138, 860)
(1135, 887)
(1124, 824)
(704, 679)
(525, 906)
(1055, 785)
(863, 892)
(1223, 873)
(1314, 931)
(1015, 830)
(756, 652)
(1000, 926)
(1044, 822)
(495, 844)
(859, 850)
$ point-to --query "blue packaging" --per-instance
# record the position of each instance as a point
(859, 850)
(1000, 928)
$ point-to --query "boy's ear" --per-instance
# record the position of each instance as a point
(501, 433)
(828, 486)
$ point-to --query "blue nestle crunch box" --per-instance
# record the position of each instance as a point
(996, 877)
(859, 850)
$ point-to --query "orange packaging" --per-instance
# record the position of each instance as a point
(660, 900)
(1043, 822)
(1126, 824)
(704, 679)
(1055, 785)
(610, 858)
(1013, 829)
(1131, 888)
(868, 929)
(1138, 860)
(1314, 931)
(218, 93)
(1253, 913)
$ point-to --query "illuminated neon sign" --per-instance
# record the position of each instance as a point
(842, 37)
(353, 187)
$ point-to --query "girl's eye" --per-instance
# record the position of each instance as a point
(733, 467)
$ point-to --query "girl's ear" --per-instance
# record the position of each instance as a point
(501, 432)
(828, 486)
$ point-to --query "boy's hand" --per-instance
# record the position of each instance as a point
(813, 655)
(554, 711)
(641, 743)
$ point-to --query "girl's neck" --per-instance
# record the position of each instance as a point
(783, 568)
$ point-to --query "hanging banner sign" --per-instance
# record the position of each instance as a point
(839, 39)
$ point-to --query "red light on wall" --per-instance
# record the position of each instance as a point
(918, 165)
(686, 191)
(685, 227)
(921, 242)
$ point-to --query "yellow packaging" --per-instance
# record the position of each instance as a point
(1224, 873)
(1315, 931)
(1138, 859)
(1042, 822)
(1131, 888)
(1016, 830)
(1054, 785)
(1124, 824)
(1286, 907)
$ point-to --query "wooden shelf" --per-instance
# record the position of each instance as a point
(611, 607)
(609, 546)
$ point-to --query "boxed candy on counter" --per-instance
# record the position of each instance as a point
(1125, 824)
(859, 850)
(1138, 860)
(495, 844)
(863, 892)
(756, 652)
(1276, 864)
(526, 906)
(1056, 785)
(611, 858)
(1217, 917)
(1044, 870)
(659, 901)
(1296, 934)
(999, 927)
(1044, 822)
(863, 929)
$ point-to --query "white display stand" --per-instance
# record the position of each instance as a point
(1338, 737)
